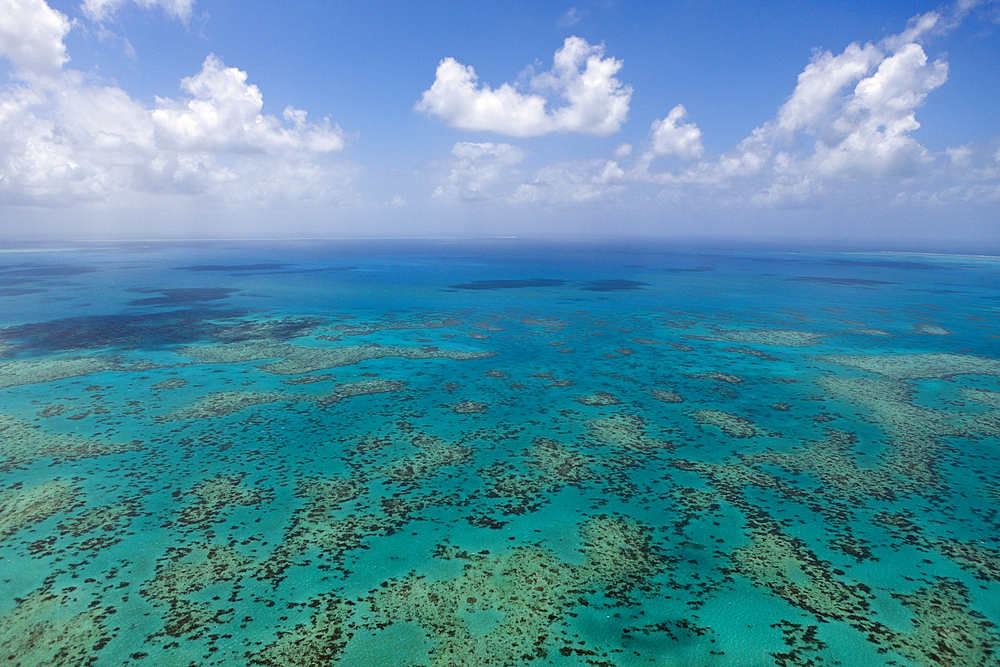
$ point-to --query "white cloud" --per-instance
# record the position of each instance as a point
(821, 87)
(570, 17)
(844, 135)
(100, 10)
(488, 173)
(918, 26)
(669, 137)
(594, 101)
(456, 98)
(31, 36)
(850, 116)
(67, 138)
(578, 182)
(871, 134)
(223, 115)
(623, 151)
(960, 156)
(860, 107)
(788, 193)
(480, 171)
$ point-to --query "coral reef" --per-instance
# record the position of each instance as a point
(106, 518)
(915, 432)
(930, 329)
(360, 388)
(107, 525)
(526, 593)
(600, 399)
(945, 631)
(318, 643)
(296, 359)
(666, 396)
(267, 329)
(751, 352)
(36, 371)
(186, 570)
(344, 330)
(941, 366)
(522, 493)
(475, 514)
(309, 379)
(831, 461)
(786, 567)
(213, 497)
(983, 562)
(433, 454)
(43, 631)
(469, 407)
(319, 524)
(22, 507)
(222, 403)
(732, 425)
(728, 378)
(169, 383)
(628, 432)
(558, 462)
(774, 337)
(21, 443)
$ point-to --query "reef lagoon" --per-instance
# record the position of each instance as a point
(497, 453)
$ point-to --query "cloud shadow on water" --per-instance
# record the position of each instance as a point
(510, 284)
(181, 295)
(613, 285)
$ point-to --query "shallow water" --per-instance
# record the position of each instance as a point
(497, 454)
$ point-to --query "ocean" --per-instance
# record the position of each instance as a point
(497, 452)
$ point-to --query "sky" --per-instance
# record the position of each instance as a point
(864, 123)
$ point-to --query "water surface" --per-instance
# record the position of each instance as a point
(497, 453)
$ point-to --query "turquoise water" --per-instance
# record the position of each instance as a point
(497, 453)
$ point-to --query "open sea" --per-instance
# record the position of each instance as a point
(395, 454)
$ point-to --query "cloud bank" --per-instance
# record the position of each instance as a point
(843, 143)
(844, 136)
(67, 138)
(593, 100)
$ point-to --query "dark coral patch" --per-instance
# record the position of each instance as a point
(510, 284)
(613, 285)
(181, 295)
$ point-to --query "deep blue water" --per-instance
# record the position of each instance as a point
(497, 453)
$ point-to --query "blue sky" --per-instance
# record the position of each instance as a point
(861, 122)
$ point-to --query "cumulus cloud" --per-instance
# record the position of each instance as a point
(860, 107)
(223, 115)
(851, 116)
(65, 137)
(31, 36)
(845, 133)
(670, 137)
(821, 87)
(593, 100)
(100, 10)
(871, 134)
